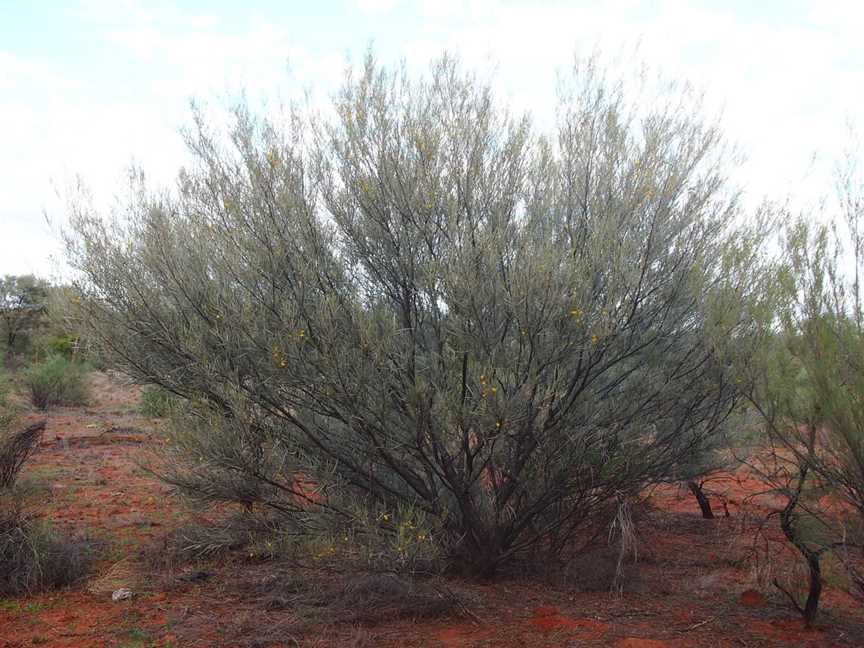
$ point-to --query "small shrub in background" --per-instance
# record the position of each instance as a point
(62, 345)
(155, 402)
(57, 381)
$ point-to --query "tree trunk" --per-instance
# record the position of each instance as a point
(704, 502)
(787, 525)
(812, 604)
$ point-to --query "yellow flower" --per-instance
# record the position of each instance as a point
(594, 339)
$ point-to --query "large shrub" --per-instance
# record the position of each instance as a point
(424, 309)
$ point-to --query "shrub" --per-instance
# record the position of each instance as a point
(15, 449)
(62, 345)
(155, 402)
(57, 381)
(34, 557)
(424, 305)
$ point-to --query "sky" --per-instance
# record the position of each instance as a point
(88, 87)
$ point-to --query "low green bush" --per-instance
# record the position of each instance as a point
(155, 402)
(62, 345)
(57, 381)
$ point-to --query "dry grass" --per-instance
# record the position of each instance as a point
(296, 601)
(34, 557)
(15, 448)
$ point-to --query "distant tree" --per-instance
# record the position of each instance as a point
(22, 307)
(424, 310)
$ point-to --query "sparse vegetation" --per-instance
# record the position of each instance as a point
(805, 378)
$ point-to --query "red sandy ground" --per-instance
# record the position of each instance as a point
(690, 587)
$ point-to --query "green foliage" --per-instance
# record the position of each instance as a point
(22, 311)
(62, 345)
(424, 305)
(156, 402)
(57, 381)
(803, 372)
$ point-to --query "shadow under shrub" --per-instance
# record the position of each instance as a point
(57, 381)
(313, 599)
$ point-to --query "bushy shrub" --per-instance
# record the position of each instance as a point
(62, 345)
(57, 381)
(33, 556)
(425, 305)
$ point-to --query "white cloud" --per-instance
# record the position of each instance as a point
(376, 6)
(786, 85)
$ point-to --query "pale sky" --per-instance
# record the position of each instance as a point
(88, 86)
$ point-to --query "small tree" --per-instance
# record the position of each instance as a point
(806, 380)
(422, 309)
(22, 306)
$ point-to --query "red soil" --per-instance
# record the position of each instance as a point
(690, 587)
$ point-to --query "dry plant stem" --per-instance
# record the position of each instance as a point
(15, 449)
